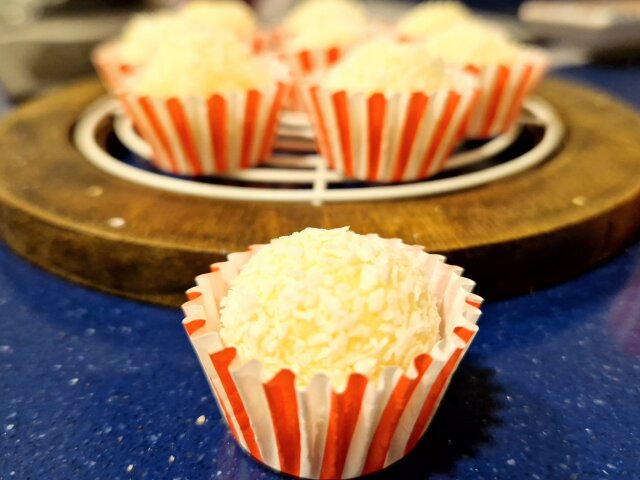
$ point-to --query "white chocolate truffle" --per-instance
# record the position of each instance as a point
(428, 18)
(313, 13)
(145, 32)
(201, 65)
(232, 16)
(473, 42)
(386, 66)
(340, 34)
(332, 301)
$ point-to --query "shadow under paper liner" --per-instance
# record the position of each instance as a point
(463, 422)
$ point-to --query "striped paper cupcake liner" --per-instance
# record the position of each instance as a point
(390, 138)
(303, 64)
(213, 135)
(207, 136)
(111, 71)
(261, 42)
(503, 89)
(319, 432)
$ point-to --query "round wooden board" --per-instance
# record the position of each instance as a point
(511, 236)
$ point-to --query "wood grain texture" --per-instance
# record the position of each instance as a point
(514, 235)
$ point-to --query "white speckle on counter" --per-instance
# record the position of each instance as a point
(218, 473)
(73, 381)
(172, 459)
(5, 349)
(116, 222)
(200, 420)
(95, 191)
(9, 427)
(130, 468)
(511, 462)
(599, 402)
(579, 201)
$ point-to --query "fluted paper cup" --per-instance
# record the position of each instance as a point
(390, 138)
(318, 431)
(261, 42)
(503, 90)
(212, 135)
(303, 64)
(111, 70)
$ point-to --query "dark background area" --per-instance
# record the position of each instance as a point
(507, 6)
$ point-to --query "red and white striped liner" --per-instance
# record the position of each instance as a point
(208, 136)
(261, 42)
(390, 138)
(111, 71)
(303, 64)
(318, 432)
(503, 89)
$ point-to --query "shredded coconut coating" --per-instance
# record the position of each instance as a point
(428, 18)
(202, 64)
(331, 301)
(319, 36)
(144, 33)
(387, 66)
(312, 13)
(233, 16)
(473, 42)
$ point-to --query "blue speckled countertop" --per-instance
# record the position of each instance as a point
(93, 386)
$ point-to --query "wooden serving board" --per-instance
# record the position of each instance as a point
(522, 233)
